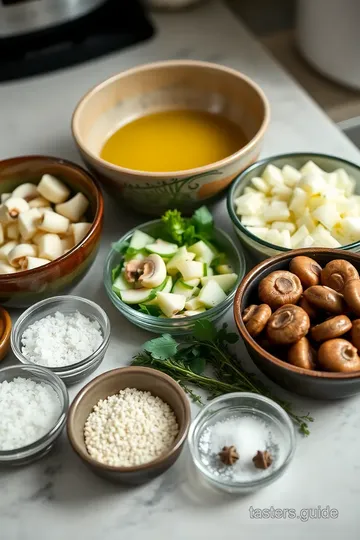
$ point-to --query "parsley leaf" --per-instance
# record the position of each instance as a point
(203, 220)
(150, 310)
(174, 225)
(115, 272)
(204, 330)
(161, 348)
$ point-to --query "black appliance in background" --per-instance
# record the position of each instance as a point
(116, 24)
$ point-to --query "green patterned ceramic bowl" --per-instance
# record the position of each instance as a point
(176, 84)
(161, 325)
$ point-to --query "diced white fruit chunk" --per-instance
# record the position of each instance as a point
(345, 182)
(170, 303)
(311, 168)
(307, 220)
(192, 282)
(193, 303)
(273, 176)
(291, 175)
(191, 313)
(135, 296)
(260, 232)
(282, 193)
(298, 202)
(260, 184)
(191, 269)
(211, 294)
(327, 214)
(249, 189)
(308, 241)
(277, 211)
(314, 202)
(347, 206)
(250, 204)
(226, 281)
(313, 184)
(181, 288)
(182, 254)
(202, 252)
(322, 238)
(284, 226)
(140, 239)
(286, 239)
(299, 236)
(351, 227)
(274, 237)
(162, 248)
(253, 221)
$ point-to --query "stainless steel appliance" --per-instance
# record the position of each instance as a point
(18, 17)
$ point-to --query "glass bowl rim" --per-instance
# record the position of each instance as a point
(76, 367)
(230, 197)
(159, 321)
(285, 419)
(46, 375)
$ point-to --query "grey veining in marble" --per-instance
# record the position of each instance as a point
(58, 498)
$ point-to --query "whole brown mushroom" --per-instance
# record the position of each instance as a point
(287, 325)
(326, 299)
(279, 288)
(355, 334)
(248, 312)
(310, 310)
(337, 273)
(258, 319)
(306, 269)
(302, 355)
(352, 295)
(338, 355)
(331, 328)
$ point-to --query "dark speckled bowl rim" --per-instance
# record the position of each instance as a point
(98, 213)
(246, 283)
(162, 459)
(266, 161)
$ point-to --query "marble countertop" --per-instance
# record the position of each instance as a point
(58, 497)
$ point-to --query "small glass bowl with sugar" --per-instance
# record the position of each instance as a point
(68, 335)
(242, 442)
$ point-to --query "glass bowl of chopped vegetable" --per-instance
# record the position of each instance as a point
(34, 404)
(169, 273)
(68, 335)
(242, 442)
(293, 201)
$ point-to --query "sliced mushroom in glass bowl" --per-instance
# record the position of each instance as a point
(310, 346)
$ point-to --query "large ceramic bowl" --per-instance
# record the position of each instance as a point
(60, 276)
(260, 249)
(176, 84)
(110, 383)
(314, 384)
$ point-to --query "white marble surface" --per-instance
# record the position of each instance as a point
(58, 498)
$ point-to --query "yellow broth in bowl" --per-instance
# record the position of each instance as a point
(173, 140)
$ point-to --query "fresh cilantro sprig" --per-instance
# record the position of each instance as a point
(208, 347)
(187, 231)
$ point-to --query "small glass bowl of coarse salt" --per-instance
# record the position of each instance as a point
(242, 442)
(33, 411)
(67, 334)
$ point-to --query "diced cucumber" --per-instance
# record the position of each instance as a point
(162, 248)
(224, 269)
(211, 294)
(191, 269)
(181, 288)
(202, 251)
(136, 296)
(170, 303)
(210, 271)
(226, 281)
(192, 282)
(193, 304)
(196, 291)
(120, 284)
(190, 312)
(140, 239)
(167, 288)
(182, 254)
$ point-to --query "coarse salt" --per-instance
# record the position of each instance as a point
(28, 410)
(61, 339)
(130, 428)
(248, 434)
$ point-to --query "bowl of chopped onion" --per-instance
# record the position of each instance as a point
(33, 403)
(294, 201)
(51, 215)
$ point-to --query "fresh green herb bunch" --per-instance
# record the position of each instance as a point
(186, 362)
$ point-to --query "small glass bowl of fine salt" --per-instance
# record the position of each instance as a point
(67, 334)
(249, 423)
(33, 411)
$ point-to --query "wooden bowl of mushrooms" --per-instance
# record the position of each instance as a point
(51, 215)
(299, 316)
